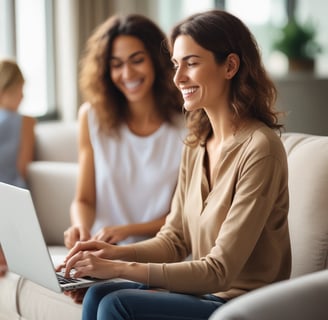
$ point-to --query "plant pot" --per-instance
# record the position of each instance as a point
(301, 65)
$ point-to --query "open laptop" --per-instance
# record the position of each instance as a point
(23, 243)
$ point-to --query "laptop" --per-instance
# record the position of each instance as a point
(24, 246)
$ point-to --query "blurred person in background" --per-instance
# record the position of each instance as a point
(131, 132)
(16, 132)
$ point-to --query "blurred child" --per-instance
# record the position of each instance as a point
(16, 132)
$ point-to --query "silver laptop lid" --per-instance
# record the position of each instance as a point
(22, 240)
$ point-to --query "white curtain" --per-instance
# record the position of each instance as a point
(74, 22)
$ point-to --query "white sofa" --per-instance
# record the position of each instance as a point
(52, 179)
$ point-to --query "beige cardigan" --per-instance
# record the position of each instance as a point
(237, 232)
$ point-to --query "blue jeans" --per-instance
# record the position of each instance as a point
(131, 300)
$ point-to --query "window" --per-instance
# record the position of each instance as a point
(314, 11)
(171, 11)
(26, 33)
(264, 18)
(27, 36)
(6, 28)
(261, 16)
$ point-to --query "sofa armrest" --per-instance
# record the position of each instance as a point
(301, 298)
(308, 210)
(8, 298)
(52, 185)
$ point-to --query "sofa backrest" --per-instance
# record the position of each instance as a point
(52, 186)
(308, 214)
(52, 177)
(56, 141)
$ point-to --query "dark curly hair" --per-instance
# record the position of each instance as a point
(253, 94)
(95, 81)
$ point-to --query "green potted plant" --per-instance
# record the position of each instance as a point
(298, 43)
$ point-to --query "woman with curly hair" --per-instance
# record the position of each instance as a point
(131, 132)
(229, 211)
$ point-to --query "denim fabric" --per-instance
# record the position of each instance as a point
(130, 300)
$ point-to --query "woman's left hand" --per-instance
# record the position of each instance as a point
(86, 263)
(89, 258)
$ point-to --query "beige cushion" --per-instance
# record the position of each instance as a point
(308, 214)
(8, 296)
(56, 141)
(52, 186)
(38, 303)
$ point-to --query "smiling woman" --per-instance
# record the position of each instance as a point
(131, 133)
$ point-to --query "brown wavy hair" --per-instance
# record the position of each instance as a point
(252, 94)
(95, 81)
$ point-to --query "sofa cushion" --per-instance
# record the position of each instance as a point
(56, 141)
(38, 303)
(8, 296)
(52, 187)
(308, 214)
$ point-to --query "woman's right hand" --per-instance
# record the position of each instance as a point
(74, 234)
(77, 295)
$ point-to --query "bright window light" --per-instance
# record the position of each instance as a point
(31, 55)
(250, 11)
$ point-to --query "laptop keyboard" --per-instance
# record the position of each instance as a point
(63, 280)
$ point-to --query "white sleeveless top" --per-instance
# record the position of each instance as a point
(135, 176)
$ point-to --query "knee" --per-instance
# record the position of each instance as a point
(93, 296)
(90, 303)
(115, 306)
